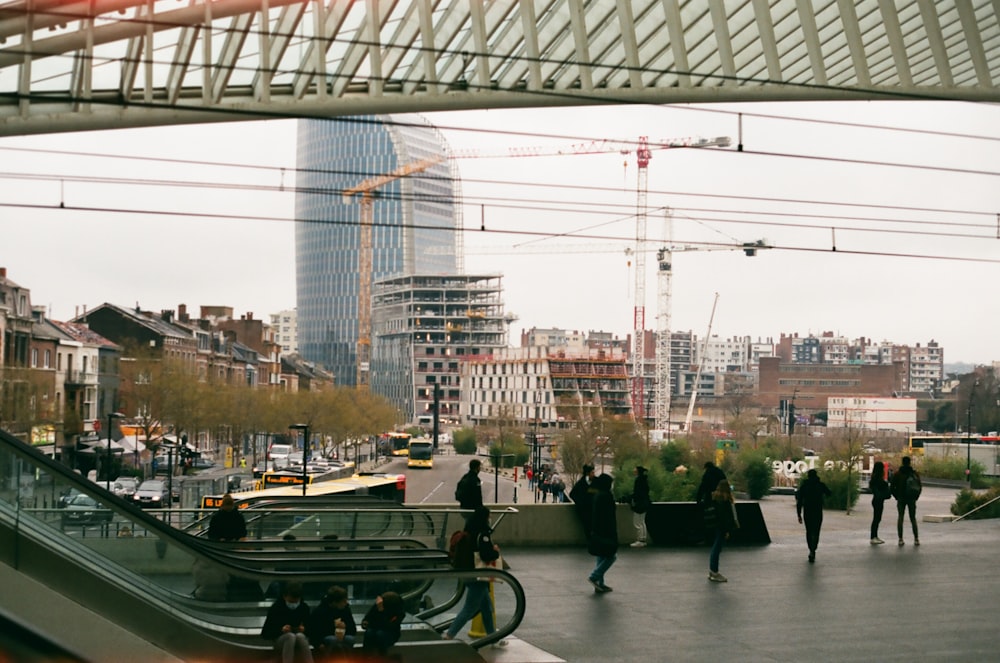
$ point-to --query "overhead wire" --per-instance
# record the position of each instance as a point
(418, 226)
(569, 62)
(575, 206)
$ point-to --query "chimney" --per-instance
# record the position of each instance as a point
(3, 272)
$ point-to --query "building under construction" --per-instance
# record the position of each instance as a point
(423, 328)
(541, 388)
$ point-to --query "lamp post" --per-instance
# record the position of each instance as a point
(305, 447)
(968, 433)
(107, 471)
(536, 452)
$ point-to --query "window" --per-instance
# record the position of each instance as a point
(34, 357)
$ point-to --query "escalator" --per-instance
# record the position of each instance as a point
(136, 576)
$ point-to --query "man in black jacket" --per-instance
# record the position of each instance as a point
(809, 501)
(583, 498)
(639, 502)
(469, 491)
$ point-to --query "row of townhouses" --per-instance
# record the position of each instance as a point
(441, 343)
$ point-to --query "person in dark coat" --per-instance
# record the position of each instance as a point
(809, 502)
(726, 523)
(227, 523)
(639, 502)
(879, 488)
(709, 483)
(906, 487)
(286, 623)
(469, 491)
(582, 496)
(603, 542)
(383, 623)
(332, 629)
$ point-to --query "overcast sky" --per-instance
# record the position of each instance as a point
(912, 214)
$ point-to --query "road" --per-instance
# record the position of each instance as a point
(437, 485)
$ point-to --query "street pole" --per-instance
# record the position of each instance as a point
(107, 471)
(968, 435)
(305, 448)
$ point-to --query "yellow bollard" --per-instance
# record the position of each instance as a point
(476, 627)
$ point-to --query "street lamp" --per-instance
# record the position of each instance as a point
(107, 472)
(968, 433)
(305, 448)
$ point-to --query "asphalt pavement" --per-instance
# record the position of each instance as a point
(858, 602)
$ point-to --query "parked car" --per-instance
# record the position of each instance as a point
(83, 509)
(152, 493)
(66, 497)
(125, 486)
(163, 464)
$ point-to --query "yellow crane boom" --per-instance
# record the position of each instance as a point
(366, 191)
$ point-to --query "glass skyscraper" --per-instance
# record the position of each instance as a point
(415, 228)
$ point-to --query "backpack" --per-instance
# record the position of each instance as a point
(913, 487)
(460, 549)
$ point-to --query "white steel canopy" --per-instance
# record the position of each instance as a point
(94, 64)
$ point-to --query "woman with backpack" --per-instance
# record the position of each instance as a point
(906, 488)
(474, 550)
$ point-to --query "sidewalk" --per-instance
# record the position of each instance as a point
(858, 602)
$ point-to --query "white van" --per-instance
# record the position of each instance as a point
(277, 456)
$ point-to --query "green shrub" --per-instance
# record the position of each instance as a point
(842, 490)
(757, 476)
(952, 468)
(464, 441)
(968, 500)
(675, 488)
(674, 454)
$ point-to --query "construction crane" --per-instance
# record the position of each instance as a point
(366, 190)
(643, 149)
(643, 155)
(701, 365)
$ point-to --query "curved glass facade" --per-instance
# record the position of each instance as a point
(415, 220)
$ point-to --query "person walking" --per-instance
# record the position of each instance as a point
(227, 523)
(286, 623)
(809, 502)
(603, 541)
(709, 483)
(582, 495)
(469, 491)
(879, 488)
(639, 502)
(906, 487)
(724, 505)
(474, 550)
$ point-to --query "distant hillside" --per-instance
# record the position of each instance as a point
(958, 369)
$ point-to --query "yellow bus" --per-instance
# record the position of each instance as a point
(395, 444)
(385, 486)
(421, 453)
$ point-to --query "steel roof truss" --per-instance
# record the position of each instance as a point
(232, 46)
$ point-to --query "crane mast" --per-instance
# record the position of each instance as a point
(366, 190)
(643, 155)
(664, 292)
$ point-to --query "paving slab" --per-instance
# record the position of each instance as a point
(858, 602)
